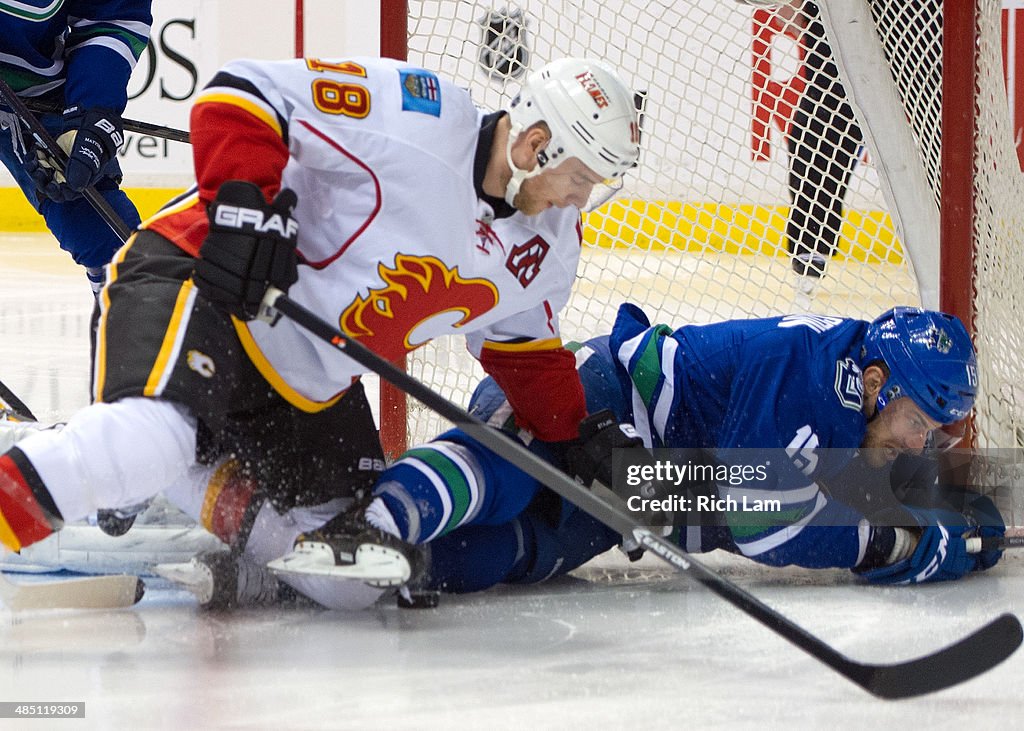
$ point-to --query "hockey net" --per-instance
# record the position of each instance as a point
(699, 233)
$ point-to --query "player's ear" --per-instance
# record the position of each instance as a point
(874, 379)
(537, 136)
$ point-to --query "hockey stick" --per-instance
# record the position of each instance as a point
(86, 592)
(994, 543)
(51, 148)
(10, 401)
(132, 125)
(954, 664)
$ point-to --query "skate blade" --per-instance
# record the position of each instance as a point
(378, 566)
(333, 592)
(190, 576)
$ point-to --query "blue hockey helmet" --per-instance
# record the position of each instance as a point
(930, 359)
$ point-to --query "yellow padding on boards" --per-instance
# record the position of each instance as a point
(867, 236)
(18, 215)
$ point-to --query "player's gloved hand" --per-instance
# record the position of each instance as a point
(590, 456)
(941, 552)
(982, 512)
(250, 247)
(91, 142)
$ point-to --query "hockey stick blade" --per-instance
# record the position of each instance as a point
(87, 592)
(963, 660)
(967, 658)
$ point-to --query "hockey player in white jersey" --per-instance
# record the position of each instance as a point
(360, 186)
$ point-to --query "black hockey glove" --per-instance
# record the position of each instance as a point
(91, 140)
(590, 456)
(250, 247)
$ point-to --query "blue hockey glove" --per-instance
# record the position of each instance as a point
(91, 142)
(250, 247)
(941, 552)
(983, 514)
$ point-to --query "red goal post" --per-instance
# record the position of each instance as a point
(393, 411)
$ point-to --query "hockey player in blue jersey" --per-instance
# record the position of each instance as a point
(77, 55)
(812, 392)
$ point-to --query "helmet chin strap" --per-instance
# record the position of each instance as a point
(518, 174)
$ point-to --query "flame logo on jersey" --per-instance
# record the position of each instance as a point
(422, 298)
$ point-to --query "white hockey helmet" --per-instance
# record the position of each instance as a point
(591, 114)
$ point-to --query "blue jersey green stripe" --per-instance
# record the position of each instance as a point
(453, 477)
(645, 371)
(27, 12)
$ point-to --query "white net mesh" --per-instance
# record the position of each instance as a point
(699, 234)
(999, 267)
(912, 38)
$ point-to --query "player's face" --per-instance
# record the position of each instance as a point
(900, 427)
(568, 184)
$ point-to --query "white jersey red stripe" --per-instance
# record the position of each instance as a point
(394, 241)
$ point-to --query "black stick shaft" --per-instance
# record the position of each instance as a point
(949, 666)
(994, 543)
(18, 406)
(132, 125)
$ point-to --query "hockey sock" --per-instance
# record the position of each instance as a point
(27, 512)
(228, 507)
(97, 277)
(430, 491)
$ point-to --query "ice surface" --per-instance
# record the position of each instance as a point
(616, 645)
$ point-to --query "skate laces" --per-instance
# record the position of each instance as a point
(378, 516)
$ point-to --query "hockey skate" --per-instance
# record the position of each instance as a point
(349, 564)
(118, 521)
(808, 269)
(223, 580)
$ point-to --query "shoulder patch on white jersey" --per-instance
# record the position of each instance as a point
(421, 92)
(525, 259)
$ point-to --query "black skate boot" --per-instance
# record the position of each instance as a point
(223, 580)
(118, 521)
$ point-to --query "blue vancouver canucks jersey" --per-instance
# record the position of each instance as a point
(782, 394)
(87, 46)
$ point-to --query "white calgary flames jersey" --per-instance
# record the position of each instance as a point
(392, 236)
